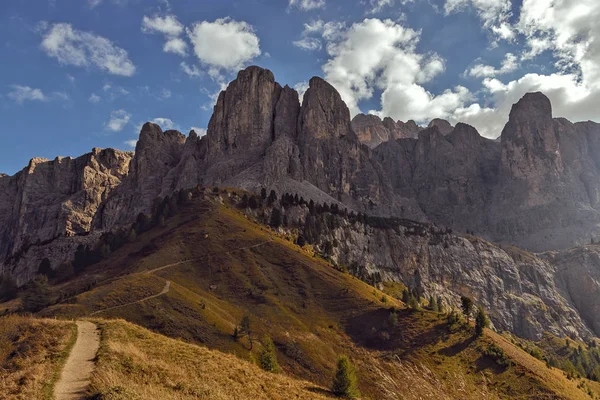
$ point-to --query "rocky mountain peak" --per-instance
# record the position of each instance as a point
(370, 129)
(464, 133)
(532, 107)
(444, 126)
(324, 114)
(242, 121)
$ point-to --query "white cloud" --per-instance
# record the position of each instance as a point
(307, 5)
(171, 28)
(199, 131)
(165, 93)
(164, 123)
(83, 49)
(381, 55)
(71, 78)
(176, 46)
(376, 6)
(191, 71)
(94, 98)
(301, 88)
(509, 64)
(224, 43)
(495, 14)
(118, 120)
(61, 96)
(168, 25)
(94, 3)
(308, 44)
(131, 143)
(568, 29)
(20, 94)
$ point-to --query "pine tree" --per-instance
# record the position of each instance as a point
(467, 306)
(45, 268)
(345, 382)
(37, 294)
(405, 296)
(275, 220)
(267, 359)
(481, 321)
(272, 198)
(433, 305)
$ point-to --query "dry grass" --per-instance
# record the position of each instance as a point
(32, 351)
(134, 363)
(312, 312)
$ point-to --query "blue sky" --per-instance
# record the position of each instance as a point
(87, 73)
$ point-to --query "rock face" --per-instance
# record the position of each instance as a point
(524, 294)
(156, 154)
(452, 177)
(53, 199)
(538, 187)
(372, 131)
(443, 126)
(547, 196)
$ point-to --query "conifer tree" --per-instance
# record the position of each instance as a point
(37, 294)
(267, 359)
(481, 321)
(467, 306)
(345, 383)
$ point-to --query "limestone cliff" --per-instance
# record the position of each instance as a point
(538, 187)
(372, 131)
(54, 199)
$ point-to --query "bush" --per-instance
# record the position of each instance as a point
(267, 359)
(481, 321)
(37, 294)
(467, 306)
(496, 352)
(393, 320)
(345, 382)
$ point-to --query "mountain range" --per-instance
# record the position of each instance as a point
(537, 188)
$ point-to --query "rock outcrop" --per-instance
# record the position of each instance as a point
(443, 126)
(54, 199)
(372, 131)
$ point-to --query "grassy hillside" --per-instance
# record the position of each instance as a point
(32, 352)
(134, 363)
(222, 266)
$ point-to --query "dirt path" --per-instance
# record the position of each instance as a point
(203, 257)
(165, 290)
(75, 376)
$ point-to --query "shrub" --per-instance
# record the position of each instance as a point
(37, 294)
(345, 382)
(467, 306)
(267, 359)
(481, 321)
(393, 320)
(496, 352)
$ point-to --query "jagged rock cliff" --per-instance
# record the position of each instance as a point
(50, 200)
(538, 187)
(524, 293)
(372, 131)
